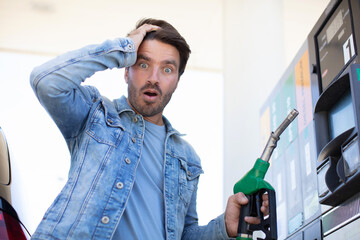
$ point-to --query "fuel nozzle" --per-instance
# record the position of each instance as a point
(253, 185)
(275, 136)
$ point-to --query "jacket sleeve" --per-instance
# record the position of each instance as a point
(57, 83)
(215, 229)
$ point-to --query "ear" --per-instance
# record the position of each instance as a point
(126, 74)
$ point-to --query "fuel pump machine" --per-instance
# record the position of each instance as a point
(316, 170)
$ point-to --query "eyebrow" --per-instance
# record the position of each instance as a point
(140, 56)
(171, 62)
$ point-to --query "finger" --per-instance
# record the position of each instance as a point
(265, 204)
(149, 27)
(252, 220)
(264, 210)
(265, 197)
(145, 28)
(138, 34)
(240, 198)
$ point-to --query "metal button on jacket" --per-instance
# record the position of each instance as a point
(119, 185)
(105, 220)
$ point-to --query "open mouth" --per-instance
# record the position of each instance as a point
(150, 94)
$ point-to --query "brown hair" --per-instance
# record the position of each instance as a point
(168, 34)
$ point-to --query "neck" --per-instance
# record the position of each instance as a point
(159, 122)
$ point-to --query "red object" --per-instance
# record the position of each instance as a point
(10, 228)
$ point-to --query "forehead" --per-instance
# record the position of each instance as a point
(158, 51)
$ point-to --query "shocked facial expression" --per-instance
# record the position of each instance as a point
(153, 78)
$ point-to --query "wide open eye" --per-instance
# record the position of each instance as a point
(167, 70)
(143, 65)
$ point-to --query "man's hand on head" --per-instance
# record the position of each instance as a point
(138, 34)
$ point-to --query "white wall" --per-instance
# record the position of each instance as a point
(51, 26)
(38, 152)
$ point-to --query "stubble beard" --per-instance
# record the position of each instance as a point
(148, 109)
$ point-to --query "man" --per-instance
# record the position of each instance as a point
(131, 174)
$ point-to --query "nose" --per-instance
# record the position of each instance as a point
(154, 75)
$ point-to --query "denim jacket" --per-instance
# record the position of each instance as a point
(105, 141)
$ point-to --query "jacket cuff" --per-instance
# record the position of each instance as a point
(127, 44)
(222, 227)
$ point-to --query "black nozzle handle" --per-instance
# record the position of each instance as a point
(267, 225)
(246, 210)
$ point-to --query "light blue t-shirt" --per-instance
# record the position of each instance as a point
(144, 213)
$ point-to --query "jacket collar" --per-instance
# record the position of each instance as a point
(122, 105)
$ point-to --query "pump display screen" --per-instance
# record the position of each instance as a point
(335, 44)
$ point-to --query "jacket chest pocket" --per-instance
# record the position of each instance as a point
(104, 129)
(188, 179)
